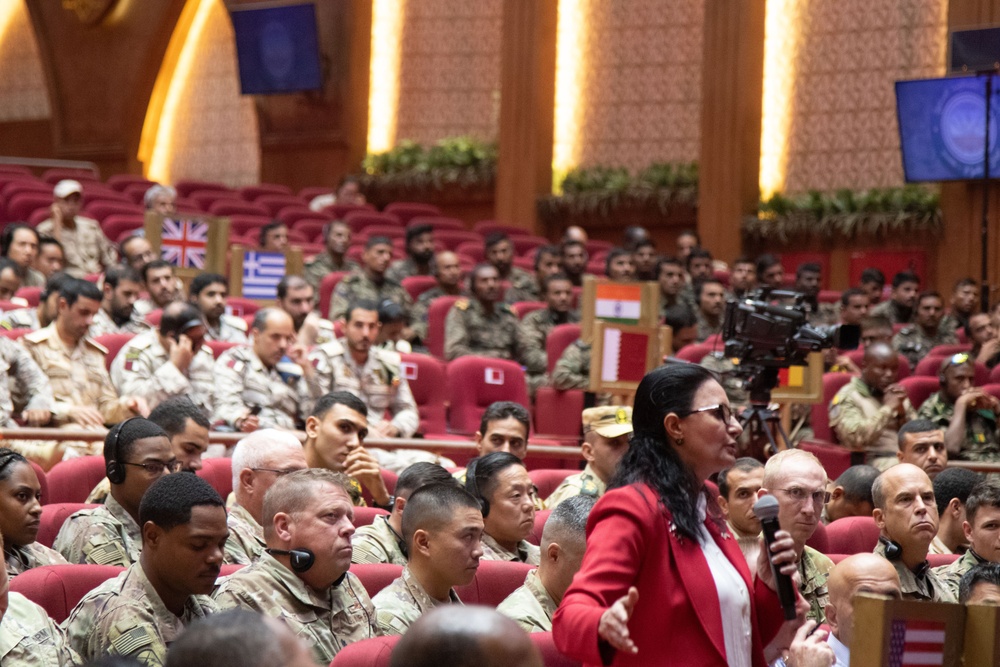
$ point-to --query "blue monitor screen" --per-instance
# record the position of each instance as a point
(942, 130)
(277, 49)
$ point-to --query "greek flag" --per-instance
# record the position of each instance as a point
(262, 271)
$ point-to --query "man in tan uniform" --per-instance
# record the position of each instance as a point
(982, 514)
(370, 282)
(86, 248)
(605, 440)
(442, 526)
(208, 291)
(42, 315)
(302, 579)
(121, 291)
(297, 298)
(481, 325)
(162, 286)
(139, 613)
(534, 329)
(564, 539)
(259, 460)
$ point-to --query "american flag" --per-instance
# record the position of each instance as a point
(915, 643)
(262, 271)
(184, 242)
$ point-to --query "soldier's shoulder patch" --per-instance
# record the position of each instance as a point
(38, 336)
(462, 304)
(134, 639)
(138, 344)
(97, 346)
(236, 322)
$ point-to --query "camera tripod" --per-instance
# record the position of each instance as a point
(762, 424)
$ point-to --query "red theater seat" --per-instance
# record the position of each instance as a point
(948, 350)
(487, 227)
(937, 560)
(820, 413)
(417, 285)
(695, 352)
(561, 337)
(436, 315)
(219, 346)
(30, 294)
(476, 382)
(275, 202)
(185, 186)
(114, 342)
(919, 388)
(426, 377)
(551, 657)
(374, 652)
(494, 581)
(453, 239)
(237, 207)
(43, 482)
(852, 535)
(58, 588)
(54, 515)
(931, 366)
(858, 357)
(219, 473)
(389, 478)
(361, 219)
(406, 210)
(326, 287)
(101, 209)
(835, 459)
(254, 192)
(375, 577)
(819, 541)
(241, 307)
(365, 516)
(72, 480)
(541, 516)
(558, 412)
(440, 223)
(57, 174)
(546, 480)
(522, 308)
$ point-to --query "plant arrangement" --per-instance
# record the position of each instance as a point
(604, 190)
(457, 161)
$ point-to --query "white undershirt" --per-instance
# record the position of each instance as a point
(734, 598)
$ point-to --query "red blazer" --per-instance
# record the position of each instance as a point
(677, 619)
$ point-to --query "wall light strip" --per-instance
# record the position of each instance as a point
(383, 95)
(571, 32)
(781, 38)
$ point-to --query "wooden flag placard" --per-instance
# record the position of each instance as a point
(623, 353)
(619, 303)
(255, 274)
(891, 633)
(192, 244)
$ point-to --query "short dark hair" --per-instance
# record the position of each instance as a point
(431, 506)
(929, 294)
(569, 243)
(268, 228)
(699, 286)
(503, 410)
(953, 483)
(7, 237)
(765, 262)
(845, 296)
(76, 288)
(984, 494)
(905, 277)
(231, 638)
(964, 282)
(419, 229)
(679, 316)
(48, 240)
(203, 280)
(291, 282)
(8, 263)
(494, 239)
(743, 259)
(542, 251)
(614, 254)
(645, 243)
(744, 464)
(857, 483)
(421, 474)
(389, 312)
(8, 458)
(128, 239)
(155, 264)
(690, 232)
(667, 261)
(359, 304)
(872, 275)
(377, 240)
(327, 401)
(55, 284)
(259, 322)
(481, 473)
(120, 441)
(476, 270)
(808, 267)
(169, 500)
(173, 414)
(551, 279)
(914, 426)
(981, 573)
(697, 252)
(178, 317)
(114, 275)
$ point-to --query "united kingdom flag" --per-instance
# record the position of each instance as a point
(184, 242)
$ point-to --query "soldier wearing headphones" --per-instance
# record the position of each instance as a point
(302, 578)
(967, 414)
(501, 483)
(137, 452)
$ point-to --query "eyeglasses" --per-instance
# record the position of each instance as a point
(279, 473)
(156, 467)
(800, 495)
(722, 412)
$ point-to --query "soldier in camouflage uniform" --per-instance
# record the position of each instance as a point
(86, 249)
(671, 277)
(321, 602)
(711, 296)
(916, 340)
(548, 263)
(899, 309)
(448, 272)
(963, 305)
(370, 283)
(500, 253)
(338, 240)
(20, 518)
(533, 330)
(208, 291)
(42, 315)
(982, 511)
(482, 325)
(419, 254)
(512, 506)
(25, 380)
(605, 440)
(121, 292)
(966, 413)
(572, 371)
(142, 611)
(296, 297)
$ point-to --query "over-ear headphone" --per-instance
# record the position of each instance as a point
(113, 469)
(472, 486)
(300, 560)
(893, 550)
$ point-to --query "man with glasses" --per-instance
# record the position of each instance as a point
(967, 414)
(797, 479)
(258, 461)
(136, 454)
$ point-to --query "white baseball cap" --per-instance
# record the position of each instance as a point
(66, 187)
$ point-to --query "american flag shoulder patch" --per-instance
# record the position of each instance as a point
(133, 640)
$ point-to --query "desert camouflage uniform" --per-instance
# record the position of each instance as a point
(530, 606)
(125, 616)
(143, 368)
(322, 330)
(950, 575)
(322, 265)
(379, 383)
(583, 483)
(29, 638)
(572, 371)
(327, 620)
(103, 324)
(246, 537)
(33, 278)
(929, 587)
(532, 332)
(358, 286)
(242, 380)
(468, 330)
(891, 310)
(377, 543)
(231, 330)
(29, 383)
(404, 268)
(22, 559)
(526, 552)
(21, 318)
(862, 422)
(401, 603)
(105, 535)
(913, 342)
(981, 441)
(706, 328)
(86, 248)
(814, 568)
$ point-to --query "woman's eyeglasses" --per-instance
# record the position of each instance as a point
(722, 412)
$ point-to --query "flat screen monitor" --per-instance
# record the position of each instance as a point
(277, 49)
(942, 128)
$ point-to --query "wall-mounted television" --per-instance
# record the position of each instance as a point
(277, 48)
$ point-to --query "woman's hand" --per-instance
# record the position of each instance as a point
(613, 627)
(783, 555)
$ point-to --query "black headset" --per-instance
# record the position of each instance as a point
(300, 560)
(473, 487)
(113, 469)
(894, 552)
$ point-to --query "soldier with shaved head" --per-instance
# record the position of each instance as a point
(861, 573)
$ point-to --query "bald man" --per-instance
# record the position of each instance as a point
(868, 411)
(860, 573)
(575, 233)
(448, 273)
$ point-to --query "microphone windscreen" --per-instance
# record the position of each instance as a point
(766, 508)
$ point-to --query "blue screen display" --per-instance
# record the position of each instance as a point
(277, 49)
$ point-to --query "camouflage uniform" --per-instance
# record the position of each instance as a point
(378, 543)
(322, 328)
(103, 324)
(889, 309)
(724, 367)
(358, 286)
(401, 603)
(584, 483)
(231, 330)
(532, 332)
(706, 328)
(29, 383)
(379, 383)
(21, 318)
(327, 620)
(418, 315)
(950, 575)
(862, 422)
(404, 268)
(913, 342)
(322, 265)
(814, 568)
(929, 586)
(143, 368)
(825, 314)
(22, 559)
(530, 606)
(523, 287)
(526, 552)
(953, 322)
(86, 248)
(468, 330)
(242, 380)
(981, 441)
(572, 371)
(105, 535)
(246, 537)
(125, 616)
(29, 638)
(33, 278)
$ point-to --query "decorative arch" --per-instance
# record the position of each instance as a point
(23, 91)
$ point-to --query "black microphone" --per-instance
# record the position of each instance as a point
(766, 510)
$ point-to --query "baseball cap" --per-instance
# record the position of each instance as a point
(610, 421)
(66, 187)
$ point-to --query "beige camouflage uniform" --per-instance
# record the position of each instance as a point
(103, 325)
(28, 380)
(379, 383)
(913, 342)
(930, 587)
(469, 331)
(246, 537)
(401, 603)
(862, 422)
(326, 620)
(29, 638)
(242, 380)
(583, 483)
(86, 248)
(950, 575)
(125, 616)
(231, 330)
(526, 552)
(143, 368)
(105, 535)
(21, 318)
(322, 265)
(22, 559)
(572, 371)
(981, 441)
(523, 286)
(814, 570)
(377, 543)
(532, 332)
(530, 606)
(418, 315)
(358, 286)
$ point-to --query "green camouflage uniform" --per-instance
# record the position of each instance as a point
(404, 268)
(377, 543)
(913, 342)
(724, 367)
(826, 314)
(143, 368)
(246, 537)
(929, 587)
(981, 442)
(29, 638)
(21, 559)
(358, 286)
(862, 422)
(523, 286)
(530, 606)
(526, 552)
(322, 265)
(231, 330)
(572, 371)
(125, 616)
(418, 316)
(105, 535)
(468, 330)
(532, 332)
(706, 328)
(951, 575)
(953, 322)
(814, 568)
(889, 309)
(583, 483)
(401, 603)
(327, 620)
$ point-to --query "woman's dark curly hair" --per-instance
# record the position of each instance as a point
(651, 458)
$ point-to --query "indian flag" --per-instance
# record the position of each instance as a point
(624, 356)
(618, 303)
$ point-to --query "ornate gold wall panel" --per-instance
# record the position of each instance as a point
(23, 95)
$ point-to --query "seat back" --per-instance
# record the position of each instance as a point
(240, 306)
(522, 308)
(436, 314)
(58, 588)
(858, 356)
(54, 515)
(440, 223)
(359, 219)
(43, 482)
(389, 478)
(375, 577)
(541, 516)
(551, 657)
(494, 581)
(558, 412)
(546, 480)
(476, 382)
(852, 535)
(407, 210)
(417, 285)
(374, 652)
(326, 287)
(33, 295)
(561, 337)
(930, 366)
(365, 516)
(695, 352)
(426, 377)
(114, 342)
(219, 473)
(819, 540)
(72, 480)
(220, 346)
(835, 459)
(919, 388)
(820, 413)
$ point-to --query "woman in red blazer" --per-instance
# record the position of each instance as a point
(661, 572)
